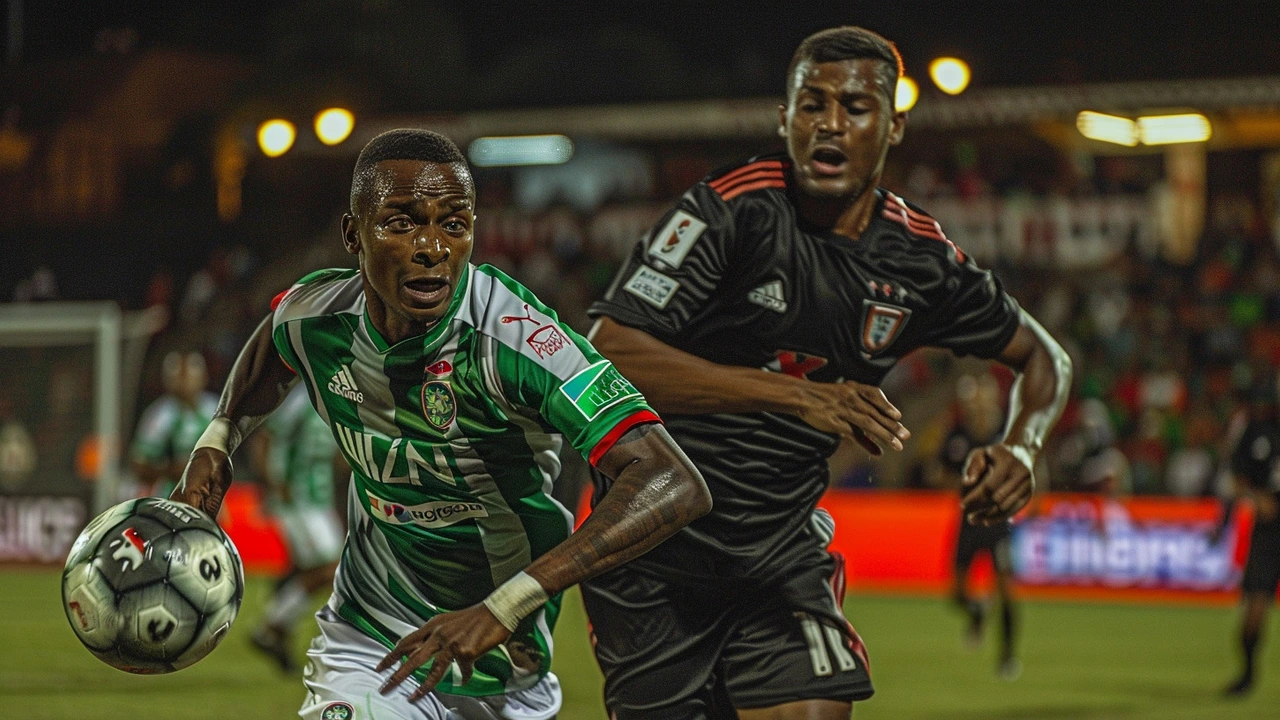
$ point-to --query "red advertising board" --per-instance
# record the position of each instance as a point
(1071, 546)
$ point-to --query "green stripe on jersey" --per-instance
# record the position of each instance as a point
(453, 437)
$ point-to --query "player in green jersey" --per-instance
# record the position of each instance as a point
(172, 423)
(450, 389)
(298, 462)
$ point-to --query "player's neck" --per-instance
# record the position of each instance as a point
(844, 216)
(391, 326)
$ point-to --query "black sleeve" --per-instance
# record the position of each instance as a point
(673, 272)
(978, 317)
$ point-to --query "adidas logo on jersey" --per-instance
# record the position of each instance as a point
(342, 385)
(769, 295)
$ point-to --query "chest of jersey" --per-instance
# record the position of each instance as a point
(823, 307)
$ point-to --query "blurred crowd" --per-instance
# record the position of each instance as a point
(1163, 351)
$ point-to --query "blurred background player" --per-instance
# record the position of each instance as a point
(800, 265)
(979, 424)
(1255, 473)
(171, 425)
(305, 478)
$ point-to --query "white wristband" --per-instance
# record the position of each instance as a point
(1024, 456)
(222, 434)
(515, 599)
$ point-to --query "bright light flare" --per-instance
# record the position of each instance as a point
(1166, 129)
(1107, 128)
(951, 75)
(904, 97)
(334, 125)
(520, 150)
(275, 137)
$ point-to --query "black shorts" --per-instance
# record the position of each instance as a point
(699, 648)
(1262, 569)
(974, 539)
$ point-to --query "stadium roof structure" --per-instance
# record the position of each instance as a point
(1256, 97)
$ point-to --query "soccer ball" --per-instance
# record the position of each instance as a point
(152, 585)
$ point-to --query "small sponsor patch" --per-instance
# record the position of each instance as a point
(438, 405)
(440, 369)
(547, 341)
(337, 711)
(652, 286)
(676, 238)
(881, 324)
(441, 513)
(598, 388)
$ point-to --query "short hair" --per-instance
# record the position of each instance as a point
(402, 144)
(850, 43)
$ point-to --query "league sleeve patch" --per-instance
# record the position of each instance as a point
(673, 242)
(652, 286)
(597, 388)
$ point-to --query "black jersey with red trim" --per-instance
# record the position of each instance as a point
(733, 275)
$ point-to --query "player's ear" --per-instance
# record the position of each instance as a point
(899, 128)
(782, 121)
(350, 234)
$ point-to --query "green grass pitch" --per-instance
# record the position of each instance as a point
(1085, 661)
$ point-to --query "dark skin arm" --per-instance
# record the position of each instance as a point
(676, 382)
(996, 483)
(258, 383)
(656, 491)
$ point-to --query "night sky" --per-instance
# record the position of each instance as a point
(567, 53)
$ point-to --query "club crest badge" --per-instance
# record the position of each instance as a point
(337, 711)
(882, 323)
(438, 405)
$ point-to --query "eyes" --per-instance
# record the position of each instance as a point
(813, 107)
(401, 223)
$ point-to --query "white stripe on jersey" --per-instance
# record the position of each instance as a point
(300, 349)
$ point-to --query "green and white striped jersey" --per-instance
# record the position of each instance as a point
(169, 430)
(454, 439)
(301, 452)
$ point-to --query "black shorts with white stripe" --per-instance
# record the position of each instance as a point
(676, 648)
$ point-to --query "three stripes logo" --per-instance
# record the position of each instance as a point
(342, 385)
(769, 295)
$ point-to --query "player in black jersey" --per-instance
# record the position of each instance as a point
(1257, 478)
(979, 425)
(759, 316)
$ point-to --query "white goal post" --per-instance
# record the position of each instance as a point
(65, 345)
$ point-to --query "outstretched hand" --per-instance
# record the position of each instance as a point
(205, 481)
(857, 412)
(460, 637)
(995, 485)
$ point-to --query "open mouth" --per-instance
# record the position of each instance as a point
(427, 291)
(828, 160)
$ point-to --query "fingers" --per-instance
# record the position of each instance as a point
(867, 443)
(875, 396)
(974, 466)
(998, 514)
(439, 666)
(416, 659)
(877, 408)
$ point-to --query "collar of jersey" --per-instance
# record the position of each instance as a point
(431, 339)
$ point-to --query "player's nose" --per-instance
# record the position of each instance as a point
(430, 249)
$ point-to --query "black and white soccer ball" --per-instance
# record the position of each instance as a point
(152, 585)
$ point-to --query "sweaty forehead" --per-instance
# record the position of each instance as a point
(414, 178)
(859, 75)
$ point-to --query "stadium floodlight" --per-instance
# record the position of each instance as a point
(951, 75)
(520, 150)
(1166, 129)
(1107, 128)
(334, 125)
(275, 137)
(904, 97)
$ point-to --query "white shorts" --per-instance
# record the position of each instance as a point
(343, 685)
(314, 535)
